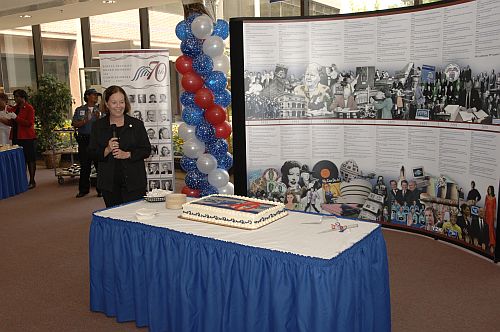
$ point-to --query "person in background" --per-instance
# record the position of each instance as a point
(22, 131)
(83, 118)
(490, 213)
(4, 129)
(120, 143)
(383, 104)
(473, 196)
(451, 229)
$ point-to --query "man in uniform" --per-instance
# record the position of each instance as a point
(83, 119)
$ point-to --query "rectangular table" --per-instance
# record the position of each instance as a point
(178, 275)
(13, 178)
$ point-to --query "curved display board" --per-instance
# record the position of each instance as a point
(387, 116)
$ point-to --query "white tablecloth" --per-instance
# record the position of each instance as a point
(297, 233)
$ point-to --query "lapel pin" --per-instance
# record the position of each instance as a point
(130, 125)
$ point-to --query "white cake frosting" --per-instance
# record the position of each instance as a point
(234, 211)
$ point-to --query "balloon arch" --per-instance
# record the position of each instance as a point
(204, 67)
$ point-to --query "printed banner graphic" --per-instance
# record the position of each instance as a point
(390, 119)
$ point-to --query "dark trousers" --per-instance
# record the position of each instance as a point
(120, 195)
(85, 163)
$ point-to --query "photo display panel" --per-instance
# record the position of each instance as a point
(389, 116)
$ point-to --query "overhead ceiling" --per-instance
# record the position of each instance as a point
(44, 11)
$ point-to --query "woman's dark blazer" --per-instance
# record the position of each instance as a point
(134, 139)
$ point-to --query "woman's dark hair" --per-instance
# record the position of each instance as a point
(111, 91)
(21, 93)
(492, 190)
(4, 97)
(286, 168)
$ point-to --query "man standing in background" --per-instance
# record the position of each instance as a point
(83, 119)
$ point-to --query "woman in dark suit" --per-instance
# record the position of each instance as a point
(120, 144)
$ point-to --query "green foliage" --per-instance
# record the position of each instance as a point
(52, 102)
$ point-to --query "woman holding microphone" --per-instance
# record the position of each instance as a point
(120, 144)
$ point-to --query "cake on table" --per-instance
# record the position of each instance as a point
(234, 211)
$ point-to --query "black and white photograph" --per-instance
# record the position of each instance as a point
(151, 131)
(154, 184)
(165, 151)
(164, 133)
(131, 98)
(164, 116)
(152, 98)
(141, 98)
(153, 168)
(163, 98)
(166, 184)
(138, 115)
(166, 167)
(150, 116)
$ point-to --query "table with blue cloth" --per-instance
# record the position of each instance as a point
(13, 178)
(171, 274)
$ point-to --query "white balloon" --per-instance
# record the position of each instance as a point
(186, 132)
(206, 163)
(193, 148)
(228, 189)
(213, 46)
(218, 177)
(202, 26)
(221, 63)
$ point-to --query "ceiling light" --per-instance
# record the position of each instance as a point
(108, 1)
(25, 16)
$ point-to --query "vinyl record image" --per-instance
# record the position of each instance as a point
(325, 170)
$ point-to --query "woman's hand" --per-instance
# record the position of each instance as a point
(113, 144)
(120, 154)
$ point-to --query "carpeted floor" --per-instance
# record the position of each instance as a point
(44, 271)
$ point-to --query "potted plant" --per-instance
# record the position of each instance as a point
(52, 102)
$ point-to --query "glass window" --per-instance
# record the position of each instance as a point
(17, 61)
(62, 53)
(115, 31)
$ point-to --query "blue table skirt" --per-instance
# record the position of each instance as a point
(13, 178)
(172, 281)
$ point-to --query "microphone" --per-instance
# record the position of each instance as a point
(113, 129)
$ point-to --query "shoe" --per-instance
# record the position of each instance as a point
(99, 194)
(80, 194)
(31, 185)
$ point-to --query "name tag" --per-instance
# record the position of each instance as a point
(82, 112)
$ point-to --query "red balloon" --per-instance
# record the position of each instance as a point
(192, 82)
(204, 98)
(184, 64)
(191, 192)
(223, 130)
(215, 114)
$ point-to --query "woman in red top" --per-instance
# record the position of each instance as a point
(22, 131)
(490, 207)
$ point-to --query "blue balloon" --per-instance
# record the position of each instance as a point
(188, 164)
(221, 29)
(183, 30)
(208, 190)
(216, 81)
(203, 64)
(223, 98)
(218, 148)
(192, 46)
(187, 99)
(225, 162)
(195, 179)
(205, 132)
(193, 115)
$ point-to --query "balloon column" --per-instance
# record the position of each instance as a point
(204, 67)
